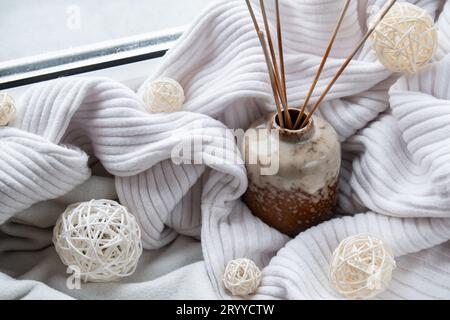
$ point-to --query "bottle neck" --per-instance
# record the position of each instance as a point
(300, 135)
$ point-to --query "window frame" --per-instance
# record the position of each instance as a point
(103, 55)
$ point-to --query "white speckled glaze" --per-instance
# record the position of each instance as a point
(303, 191)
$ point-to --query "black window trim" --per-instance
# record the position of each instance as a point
(16, 73)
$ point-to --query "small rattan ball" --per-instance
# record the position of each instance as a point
(406, 39)
(242, 277)
(361, 267)
(7, 109)
(100, 239)
(164, 95)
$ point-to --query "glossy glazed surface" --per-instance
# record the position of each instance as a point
(303, 191)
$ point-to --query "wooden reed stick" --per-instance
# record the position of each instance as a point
(322, 64)
(347, 61)
(268, 62)
(282, 66)
(275, 64)
(273, 80)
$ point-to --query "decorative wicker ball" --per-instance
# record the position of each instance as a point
(242, 277)
(361, 267)
(406, 39)
(100, 238)
(164, 95)
(7, 109)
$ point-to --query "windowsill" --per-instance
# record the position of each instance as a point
(131, 75)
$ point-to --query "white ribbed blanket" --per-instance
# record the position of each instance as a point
(395, 133)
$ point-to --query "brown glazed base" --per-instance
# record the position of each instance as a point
(291, 212)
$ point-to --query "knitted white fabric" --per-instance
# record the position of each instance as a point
(395, 164)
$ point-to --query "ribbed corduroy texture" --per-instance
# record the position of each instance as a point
(395, 164)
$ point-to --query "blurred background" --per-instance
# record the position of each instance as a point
(33, 27)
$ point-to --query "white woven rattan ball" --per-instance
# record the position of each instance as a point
(164, 95)
(361, 267)
(100, 239)
(406, 39)
(7, 109)
(242, 277)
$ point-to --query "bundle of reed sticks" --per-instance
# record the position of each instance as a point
(277, 70)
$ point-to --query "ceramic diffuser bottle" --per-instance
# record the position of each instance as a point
(293, 174)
